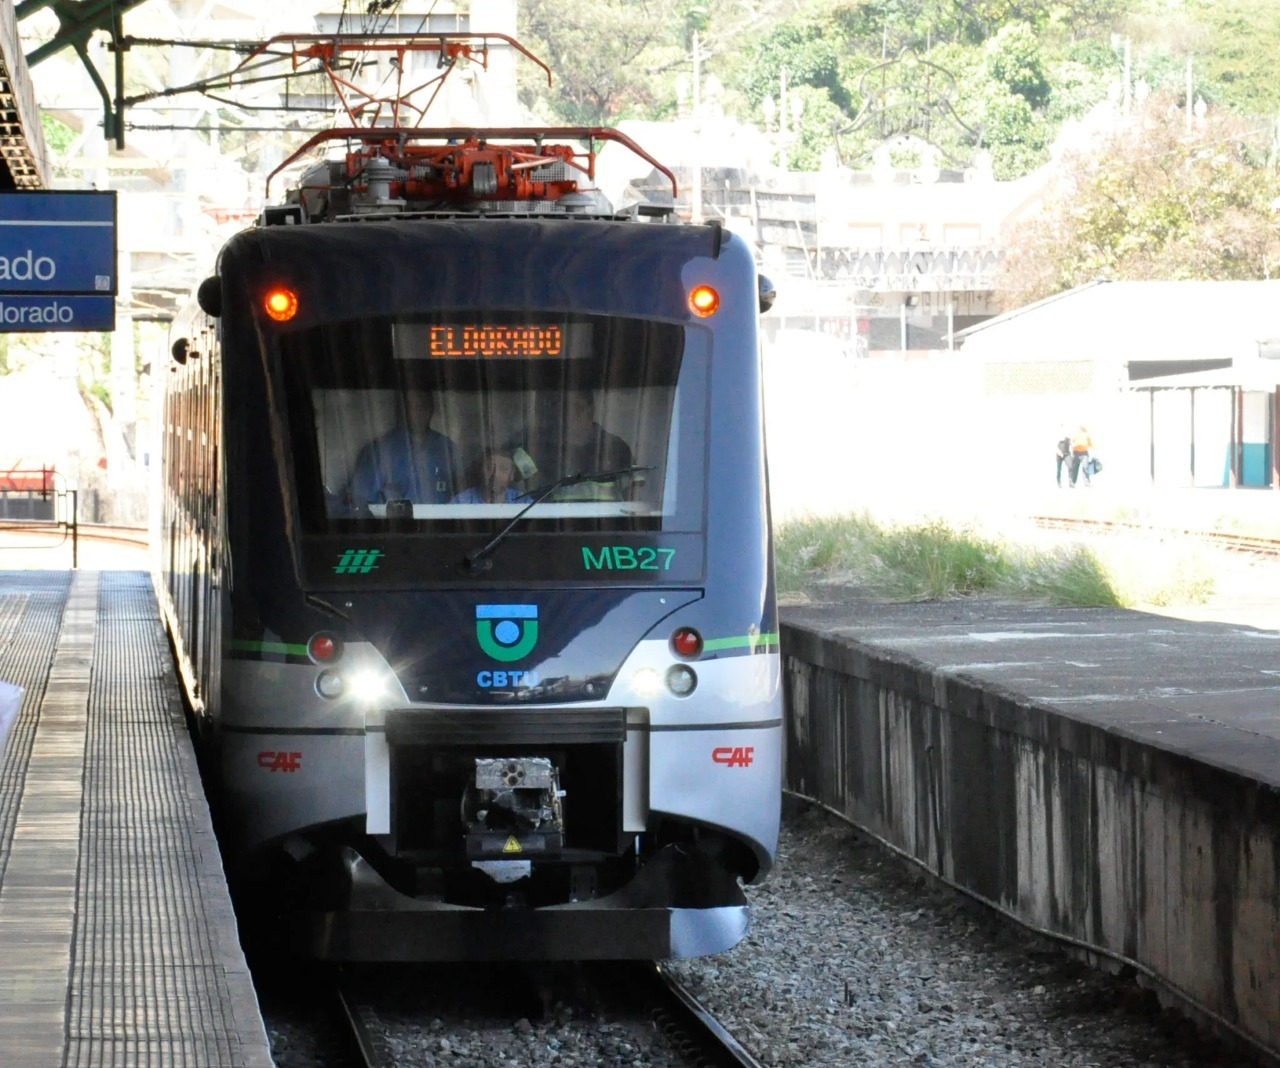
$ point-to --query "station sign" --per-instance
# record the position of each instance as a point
(57, 261)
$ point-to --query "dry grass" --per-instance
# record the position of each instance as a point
(932, 559)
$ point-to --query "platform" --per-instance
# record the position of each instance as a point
(1106, 776)
(117, 937)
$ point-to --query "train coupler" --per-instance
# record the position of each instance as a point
(512, 813)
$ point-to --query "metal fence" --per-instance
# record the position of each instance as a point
(37, 510)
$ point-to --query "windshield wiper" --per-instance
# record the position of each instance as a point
(478, 560)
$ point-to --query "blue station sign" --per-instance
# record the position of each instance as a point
(57, 261)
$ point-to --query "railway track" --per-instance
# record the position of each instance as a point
(691, 1026)
(46, 534)
(683, 1032)
(1267, 548)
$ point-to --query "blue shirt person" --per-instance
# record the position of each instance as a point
(409, 462)
(493, 475)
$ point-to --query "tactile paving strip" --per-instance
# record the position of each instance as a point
(38, 894)
(30, 608)
(157, 975)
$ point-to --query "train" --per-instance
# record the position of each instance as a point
(462, 541)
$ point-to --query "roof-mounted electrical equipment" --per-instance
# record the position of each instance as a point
(416, 171)
(394, 167)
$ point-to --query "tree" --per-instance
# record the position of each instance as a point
(595, 54)
(885, 27)
(808, 52)
(1152, 203)
(813, 138)
(614, 59)
(1241, 42)
(1013, 59)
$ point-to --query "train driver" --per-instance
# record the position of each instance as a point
(582, 446)
(588, 446)
(409, 462)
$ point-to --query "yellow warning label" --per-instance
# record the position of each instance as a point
(511, 845)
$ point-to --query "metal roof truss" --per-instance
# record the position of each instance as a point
(78, 20)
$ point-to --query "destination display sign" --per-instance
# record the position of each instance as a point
(476, 340)
(57, 261)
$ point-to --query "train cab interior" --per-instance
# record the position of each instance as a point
(601, 421)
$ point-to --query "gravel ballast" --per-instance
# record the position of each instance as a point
(858, 957)
(855, 957)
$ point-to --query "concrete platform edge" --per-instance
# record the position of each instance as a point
(255, 1045)
(1083, 829)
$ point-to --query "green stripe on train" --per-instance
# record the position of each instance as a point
(740, 641)
(243, 645)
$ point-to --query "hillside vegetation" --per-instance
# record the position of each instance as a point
(1010, 71)
(1174, 192)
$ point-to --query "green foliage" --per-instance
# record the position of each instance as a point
(1151, 203)
(597, 53)
(1241, 40)
(1070, 576)
(808, 52)
(1015, 134)
(1013, 60)
(57, 134)
(933, 560)
(888, 26)
(696, 19)
(883, 28)
(813, 139)
(1093, 53)
(1077, 87)
(99, 391)
(1022, 67)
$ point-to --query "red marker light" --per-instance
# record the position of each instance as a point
(323, 648)
(281, 304)
(686, 642)
(703, 301)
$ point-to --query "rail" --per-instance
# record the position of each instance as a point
(361, 1021)
(696, 1037)
(701, 1037)
(1240, 543)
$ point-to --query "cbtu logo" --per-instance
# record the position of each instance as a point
(507, 632)
(498, 680)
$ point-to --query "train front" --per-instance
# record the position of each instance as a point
(503, 668)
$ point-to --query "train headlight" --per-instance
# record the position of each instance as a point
(646, 682)
(329, 684)
(367, 686)
(681, 680)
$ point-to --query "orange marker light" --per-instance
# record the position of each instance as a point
(281, 304)
(703, 300)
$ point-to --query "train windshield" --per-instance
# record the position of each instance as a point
(456, 422)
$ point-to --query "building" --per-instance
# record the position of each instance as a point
(1178, 381)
